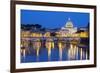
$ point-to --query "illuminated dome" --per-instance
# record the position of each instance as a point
(69, 24)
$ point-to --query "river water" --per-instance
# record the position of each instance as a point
(45, 51)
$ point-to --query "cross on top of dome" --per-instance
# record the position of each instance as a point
(68, 19)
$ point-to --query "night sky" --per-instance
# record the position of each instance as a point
(53, 19)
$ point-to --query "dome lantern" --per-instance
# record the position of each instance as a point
(69, 24)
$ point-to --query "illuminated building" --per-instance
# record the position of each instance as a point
(47, 34)
(25, 33)
(68, 30)
(69, 27)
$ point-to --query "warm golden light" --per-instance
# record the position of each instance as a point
(81, 54)
(48, 45)
(60, 49)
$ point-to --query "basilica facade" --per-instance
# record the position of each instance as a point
(68, 30)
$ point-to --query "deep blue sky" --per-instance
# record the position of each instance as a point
(53, 19)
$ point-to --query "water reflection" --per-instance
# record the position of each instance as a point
(52, 50)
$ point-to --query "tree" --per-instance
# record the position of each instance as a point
(43, 29)
(53, 34)
(38, 26)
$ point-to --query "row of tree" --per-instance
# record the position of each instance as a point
(32, 27)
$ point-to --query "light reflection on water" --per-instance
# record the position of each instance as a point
(41, 51)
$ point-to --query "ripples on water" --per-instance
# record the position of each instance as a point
(43, 52)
